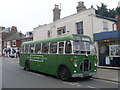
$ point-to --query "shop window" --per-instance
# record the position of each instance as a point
(79, 27)
(53, 47)
(61, 30)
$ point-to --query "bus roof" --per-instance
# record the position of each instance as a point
(61, 38)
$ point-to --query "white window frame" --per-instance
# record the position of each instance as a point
(13, 41)
(105, 26)
(8, 44)
(5, 43)
(62, 30)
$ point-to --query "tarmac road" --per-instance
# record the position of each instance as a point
(13, 76)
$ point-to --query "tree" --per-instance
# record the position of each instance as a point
(118, 10)
(112, 13)
(102, 10)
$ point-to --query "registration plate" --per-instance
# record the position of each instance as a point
(85, 74)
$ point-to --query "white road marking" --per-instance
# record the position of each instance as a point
(90, 87)
(79, 86)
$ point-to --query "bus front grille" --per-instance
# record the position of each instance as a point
(85, 65)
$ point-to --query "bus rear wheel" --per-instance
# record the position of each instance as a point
(64, 74)
(27, 66)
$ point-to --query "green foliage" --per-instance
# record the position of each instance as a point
(104, 11)
(118, 11)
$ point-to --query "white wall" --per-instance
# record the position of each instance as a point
(91, 25)
(40, 32)
(0, 43)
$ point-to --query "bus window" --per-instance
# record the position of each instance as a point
(38, 48)
(26, 48)
(83, 48)
(61, 47)
(53, 47)
(45, 47)
(32, 48)
(68, 47)
(22, 49)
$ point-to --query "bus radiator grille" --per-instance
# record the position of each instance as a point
(85, 65)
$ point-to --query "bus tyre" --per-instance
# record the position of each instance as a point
(27, 66)
(64, 74)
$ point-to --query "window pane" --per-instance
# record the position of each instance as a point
(53, 48)
(26, 48)
(61, 47)
(38, 48)
(79, 27)
(45, 47)
(68, 47)
(32, 48)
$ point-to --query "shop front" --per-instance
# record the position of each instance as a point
(108, 48)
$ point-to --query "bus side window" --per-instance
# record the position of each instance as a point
(68, 47)
(22, 49)
(38, 48)
(45, 47)
(53, 47)
(26, 48)
(61, 47)
(32, 48)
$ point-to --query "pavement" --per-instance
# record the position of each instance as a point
(108, 73)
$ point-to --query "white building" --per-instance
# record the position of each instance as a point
(85, 21)
(1, 28)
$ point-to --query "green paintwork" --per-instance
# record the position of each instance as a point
(49, 63)
(57, 39)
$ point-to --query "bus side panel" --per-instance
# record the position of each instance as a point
(23, 58)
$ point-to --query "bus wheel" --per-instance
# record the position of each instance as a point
(64, 74)
(27, 66)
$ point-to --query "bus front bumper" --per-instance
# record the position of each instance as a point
(83, 74)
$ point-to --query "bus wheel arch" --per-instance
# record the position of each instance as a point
(27, 65)
(63, 72)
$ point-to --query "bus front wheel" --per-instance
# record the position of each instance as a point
(64, 74)
(27, 66)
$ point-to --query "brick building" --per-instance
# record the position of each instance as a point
(12, 40)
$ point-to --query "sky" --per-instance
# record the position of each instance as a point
(28, 14)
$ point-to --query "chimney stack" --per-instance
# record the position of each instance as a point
(80, 6)
(14, 28)
(56, 13)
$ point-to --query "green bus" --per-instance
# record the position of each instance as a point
(65, 56)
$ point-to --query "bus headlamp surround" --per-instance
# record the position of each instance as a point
(95, 64)
(75, 64)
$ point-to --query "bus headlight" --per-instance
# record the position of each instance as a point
(95, 64)
(75, 64)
